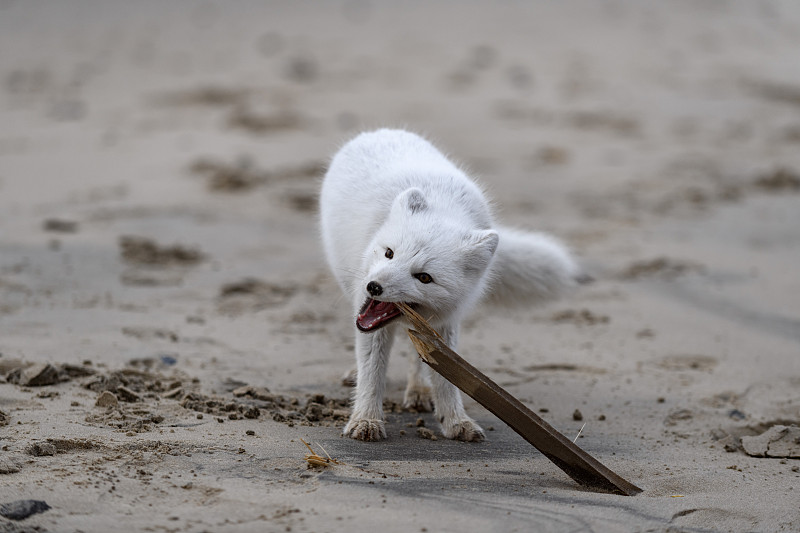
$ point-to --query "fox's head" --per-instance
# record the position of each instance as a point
(426, 258)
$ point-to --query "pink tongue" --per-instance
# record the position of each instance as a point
(374, 313)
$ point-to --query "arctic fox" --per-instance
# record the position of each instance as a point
(401, 223)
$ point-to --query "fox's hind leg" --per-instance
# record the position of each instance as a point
(449, 407)
(349, 377)
(418, 389)
(372, 354)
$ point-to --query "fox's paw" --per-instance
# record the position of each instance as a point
(466, 430)
(365, 429)
(418, 398)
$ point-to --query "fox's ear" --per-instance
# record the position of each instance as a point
(413, 200)
(481, 246)
(486, 240)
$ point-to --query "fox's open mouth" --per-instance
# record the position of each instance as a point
(374, 315)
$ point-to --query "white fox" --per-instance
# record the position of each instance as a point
(401, 223)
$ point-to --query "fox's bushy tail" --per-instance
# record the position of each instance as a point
(529, 267)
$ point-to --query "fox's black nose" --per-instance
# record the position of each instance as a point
(374, 288)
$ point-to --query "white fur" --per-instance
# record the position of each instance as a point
(393, 189)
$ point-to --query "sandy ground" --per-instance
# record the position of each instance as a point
(660, 140)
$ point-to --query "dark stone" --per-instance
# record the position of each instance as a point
(39, 375)
(736, 414)
(168, 360)
(22, 509)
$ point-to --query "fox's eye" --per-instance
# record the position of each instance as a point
(424, 277)
(389, 253)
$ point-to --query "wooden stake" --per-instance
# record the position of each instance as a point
(579, 465)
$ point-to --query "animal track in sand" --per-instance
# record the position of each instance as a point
(661, 267)
(243, 175)
(699, 363)
(144, 251)
(583, 317)
(250, 295)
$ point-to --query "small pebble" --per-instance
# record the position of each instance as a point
(9, 465)
(41, 449)
(425, 433)
(106, 399)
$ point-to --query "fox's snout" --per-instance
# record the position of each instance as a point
(374, 288)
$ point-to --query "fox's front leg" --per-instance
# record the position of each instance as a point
(448, 404)
(372, 354)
